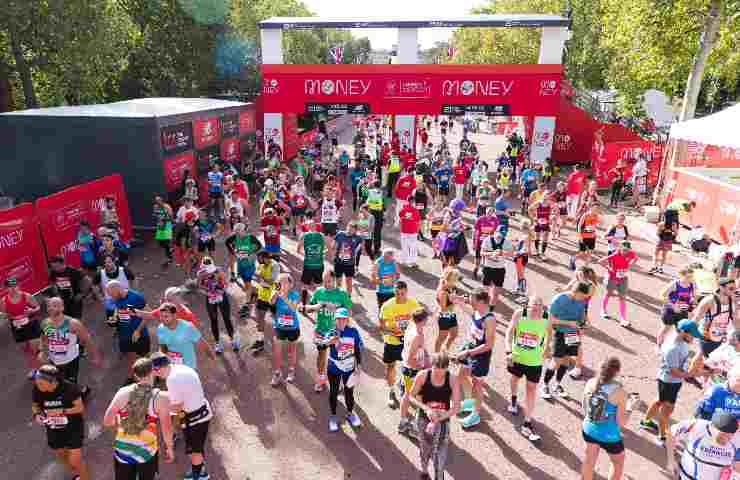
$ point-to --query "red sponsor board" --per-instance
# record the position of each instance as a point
(292, 138)
(717, 202)
(248, 120)
(230, 150)
(60, 214)
(21, 251)
(413, 89)
(175, 167)
(608, 155)
(206, 132)
(574, 134)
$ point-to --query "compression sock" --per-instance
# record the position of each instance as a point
(549, 373)
(622, 309)
(562, 369)
(544, 247)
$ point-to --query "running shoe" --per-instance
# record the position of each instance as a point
(291, 376)
(661, 441)
(529, 432)
(653, 271)
(471, 420)
(392, 398)
(467, 405)
(649, 424)
(333, 424)
(219, 347)
(560, 392)
(203, 474)
(660, 269)
(513, 409)
(354, 420)
(624, 323)
(576, 373)
(258, 347)
(405, 426)
(572, 263)
(236, 343)
(276, 378)
(545, 392)
(605, 316)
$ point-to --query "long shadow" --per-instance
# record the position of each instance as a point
(423, 278)
(549, 274)
(651, 303)
(461, 464)
(600, 336)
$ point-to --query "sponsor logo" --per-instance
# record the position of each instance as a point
(11, 224)
(98, 204)
(68, 217)
(271, 87)
(21, 269)
(340, 88)
(478, 88)
(548, 88)
(542, 139)
(11, 239)
(563, 142)
(70, 248)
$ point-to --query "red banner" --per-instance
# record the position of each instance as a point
(248, 120)
(413, 89)
(175, 167)
(717, 202)
(574, 134)
(230, 150)
(21, 251)
(606, 159)
(60, 214)
(206, 132)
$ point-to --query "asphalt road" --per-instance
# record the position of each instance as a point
(260, 432)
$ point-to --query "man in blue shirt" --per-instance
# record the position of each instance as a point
(216, 190)
(346, 246)
(443, 175)
(725, 397)
(178, 338)
(133, 337)
(530, 178)
(502, 206)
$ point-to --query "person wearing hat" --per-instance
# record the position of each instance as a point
(495, 249)
(674, 368)
(711, 448)
(715, 316)
(20, 308)
(212, 281)
(617, 265)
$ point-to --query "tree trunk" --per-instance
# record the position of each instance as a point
(24, 70)
(6, 89)
(708, 40)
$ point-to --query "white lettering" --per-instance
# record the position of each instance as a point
(478, 88)
(339, 88)
(11, 239)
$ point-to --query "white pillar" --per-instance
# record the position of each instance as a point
(408, 53)
(552, 44)
(272, 53)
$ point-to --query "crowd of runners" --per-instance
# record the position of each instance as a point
(337, 205)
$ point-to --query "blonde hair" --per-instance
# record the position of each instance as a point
(450, 276)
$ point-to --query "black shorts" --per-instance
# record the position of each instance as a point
(561, 349)
(434, 233)
(708, 346)
(542, 228)
(142, 348)
(670, 218)
(392, 353)
(136, 471)
(342, 269)
(563, 212)
(444, 190)
(329, 229)
(479, 365)
(71, 437)
(195, 437)
(209, 245)
(670, 317)
(612, 448)
(298, 212)
(477, 252)
(447, 321)
(215, 195)
(494, 276)
(668, 392)
(265, 306)
(28, 332)
(312, 276)
(518, 370)
(286, 335)
(70, 371)
(587, 245)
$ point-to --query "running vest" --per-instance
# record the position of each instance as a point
(235, 208)
(375, 199)
(504, 181)
(394, 166)
(436, 397)
(16, 312)
(363, 228)
(681, 295)
(162, 219)
(597, 407)
(63, 344)
(528, 343)
(141, 447)
(329, 211)
(105, 280)
(703, 457)
(215, 290)
(244, 248)
(484, 198)
(420, 199)
(421, 357)
(478, 329)
(714, 326)
(388, 275)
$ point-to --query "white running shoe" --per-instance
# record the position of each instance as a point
(277, 378)
(219, 347)
(575, 373)
(291, 376)
(333, 424)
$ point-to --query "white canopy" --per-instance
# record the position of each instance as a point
(719, 129)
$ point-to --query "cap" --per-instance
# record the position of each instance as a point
(690, 327)
(11, 282)
(160, 360)
(341, 313)
(388, 251)
(725, 281)
(457, 204)
(724, 422)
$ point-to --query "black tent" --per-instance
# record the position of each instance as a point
(150, 142)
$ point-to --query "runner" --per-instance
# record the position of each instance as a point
(395, 314)
(20, 308)
(312, 247)
(617, 234)
(133, 336)
(57, 405)
(722, 397)
(286, 327)
(402, 192)
(133, 414)
(163, 220)
(715, 316)
(185, 241)
(561, 213)
(503, 205)
(106, 274)
(111, 246)
(215, 191)
(436, 224)
(566, 315)
(436, 396)
(679, 299)
(346, 247)
(606, 412)
(179, 338)
(270, 224)
(442, 175)
(587, 225)
(523, 250)
(447, 298)
(89, 246)
(345, 359)
(495, 249)
(60, 342)
(187, 206)
(205, 230)
(330, 209)
(574, 187)
(69, 284)
(459, 178)
(617, 266)
(711, 450)
(299, 203)
(541, 210)
(410, 222)
(528, 341)
(420, 199)
(666, 239)
(376, 206)
(485, 225)
(267, 273)
(672, 213)
(365, 227)
(414, 358)
(109, 216)
(674, 369)
(326, 300)
(243, 247)
(476, 355)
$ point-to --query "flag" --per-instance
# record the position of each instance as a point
(336, 54)
(451, 51)
(693, 148)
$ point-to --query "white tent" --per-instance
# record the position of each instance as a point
(719, 129)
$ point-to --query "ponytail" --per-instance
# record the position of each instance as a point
(608, 370)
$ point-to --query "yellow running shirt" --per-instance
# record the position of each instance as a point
(397, 315)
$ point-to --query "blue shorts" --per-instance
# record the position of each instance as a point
(245, 271)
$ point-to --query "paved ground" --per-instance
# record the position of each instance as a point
(262, 433)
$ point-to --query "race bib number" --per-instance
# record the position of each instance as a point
(572, 338)
(621, 273)
(64, 284)
(285, 320)
(528, 340)
(215, 297)
(241, 255)
(19, 322)
(300, 202)
(420, 206)
(477, 333)
(124, 316)
(389, 281)
(329, 213)
(588, 229)
(57, 421)
(323, 340)
(345, 253)
(542, 221)
(402, 322)
(175, 357)
(58, 347)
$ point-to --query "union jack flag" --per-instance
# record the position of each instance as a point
(451, 51)
(336, 53)
(693, 148)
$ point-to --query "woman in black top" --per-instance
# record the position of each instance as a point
(436, 396)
